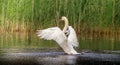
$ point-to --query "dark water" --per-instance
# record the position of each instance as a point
(40, 57)
(28, 49)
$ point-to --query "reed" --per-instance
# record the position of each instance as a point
(29, 15)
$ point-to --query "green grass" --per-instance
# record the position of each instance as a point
(24, 15)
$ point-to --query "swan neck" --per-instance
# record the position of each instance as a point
(66, 25)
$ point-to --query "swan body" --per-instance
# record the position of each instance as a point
(65, 38)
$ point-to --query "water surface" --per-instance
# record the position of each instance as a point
(30, 40)
(27, 48)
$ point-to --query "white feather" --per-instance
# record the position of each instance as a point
(72, 38)
(53, 33)
(58, 35)
(66, 42)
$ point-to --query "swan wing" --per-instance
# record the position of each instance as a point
(72, 38)
(53, 33)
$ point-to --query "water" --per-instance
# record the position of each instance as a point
(36, 57)
(27, 48)
(30, 40)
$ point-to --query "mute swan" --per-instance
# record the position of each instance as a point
(65, 38)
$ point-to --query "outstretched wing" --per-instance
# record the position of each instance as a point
(53, 33)
(72, 38)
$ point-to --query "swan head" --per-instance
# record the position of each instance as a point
(63, 18)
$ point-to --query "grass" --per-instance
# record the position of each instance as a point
(84, 15)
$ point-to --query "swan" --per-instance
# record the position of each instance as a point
(65, 38)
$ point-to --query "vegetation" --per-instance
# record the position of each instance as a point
(29, 15)
(92, 19)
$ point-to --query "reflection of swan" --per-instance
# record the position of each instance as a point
(66, 38)
(58, 60)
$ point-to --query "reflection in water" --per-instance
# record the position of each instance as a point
(58, 58)
(12, 51)
(61, 60)
(46, 58)
(30, 40)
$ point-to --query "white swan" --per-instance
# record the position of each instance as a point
(66, 38)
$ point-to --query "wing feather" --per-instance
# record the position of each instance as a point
(53, 33)
(72, 38)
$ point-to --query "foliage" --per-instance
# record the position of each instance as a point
(44, 13)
